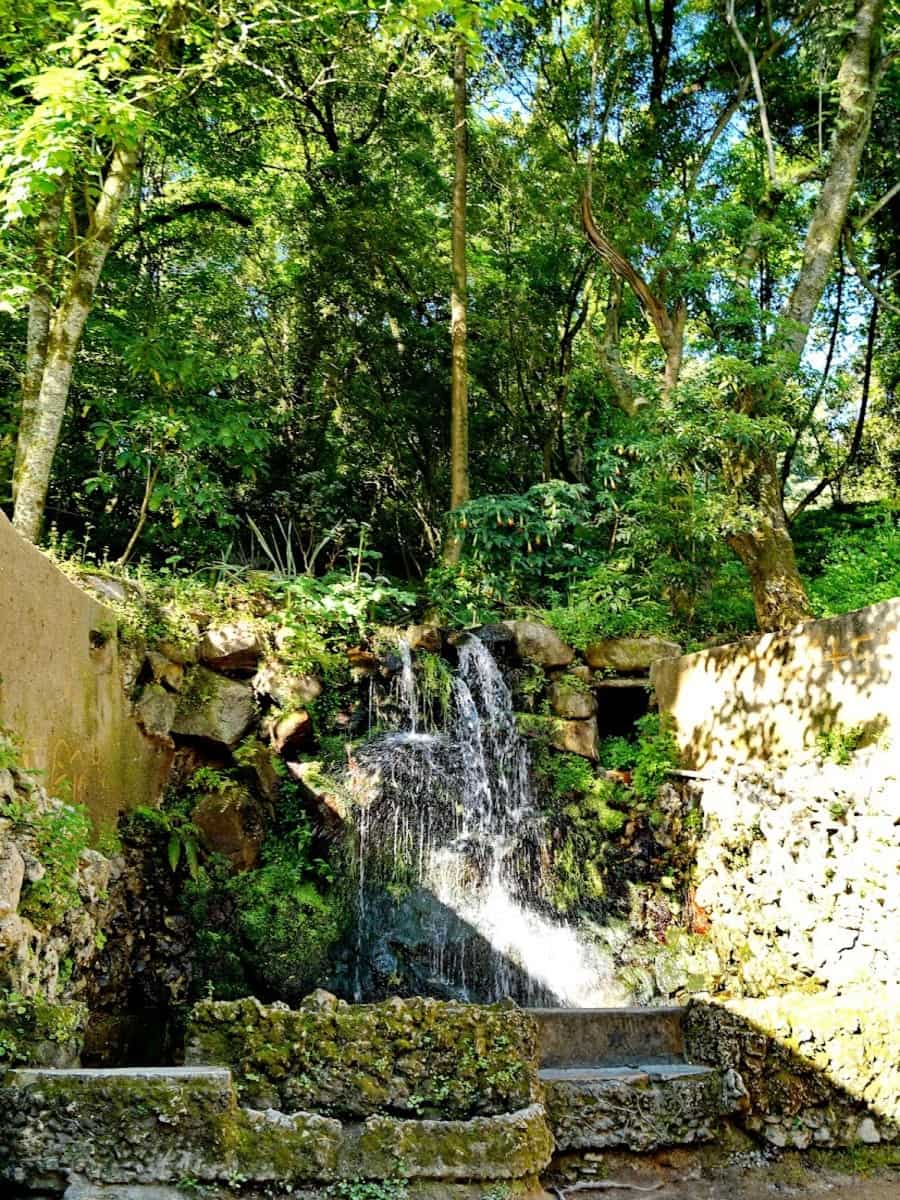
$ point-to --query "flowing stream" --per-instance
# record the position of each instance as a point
(451, 854)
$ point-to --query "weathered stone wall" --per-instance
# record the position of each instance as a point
(797, 875)
(61, 689)
(819, 1070)
(102, 1130)
(54, 902)
(768, 698)
(416, 1057)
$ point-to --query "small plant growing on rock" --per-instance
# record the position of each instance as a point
(839, 743)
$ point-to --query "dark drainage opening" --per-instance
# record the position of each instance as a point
(621, 703)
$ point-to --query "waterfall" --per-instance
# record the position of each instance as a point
(451, 853)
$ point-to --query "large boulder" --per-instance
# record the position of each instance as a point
(233, 646)
(155, 710)
(628, 653)
(576, 737)
(289, 734)
(231, 823)
(540, 643)
(215, 708)
(571, 699)
(289, 691)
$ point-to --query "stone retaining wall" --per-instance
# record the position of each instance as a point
(820, 1070)
(769, 697)
(797, 875)
(411, 1058)
(61, 689)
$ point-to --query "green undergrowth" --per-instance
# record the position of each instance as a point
(595, 817)
(269, 931)
(57, 833)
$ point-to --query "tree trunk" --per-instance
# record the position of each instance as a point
(39, 436)
(767, 552)
(459, 400)
(40, 312)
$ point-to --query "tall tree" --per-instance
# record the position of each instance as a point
(459, 379)
(749, 463)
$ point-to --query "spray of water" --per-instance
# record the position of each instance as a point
(449, 811)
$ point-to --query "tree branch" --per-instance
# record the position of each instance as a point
(157, 220)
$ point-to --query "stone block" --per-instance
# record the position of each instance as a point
(540, 643)
(629, 654)
(215, 708)
(576, 737)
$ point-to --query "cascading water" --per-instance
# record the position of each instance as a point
(450, 854)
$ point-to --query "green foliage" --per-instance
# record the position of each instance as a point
(612, 601)
(10, 751)
(862, 568)
(588, 811)
(839, 743)
(357, 1189)
(270, 930)
(178, 832)
(535, 541)
(656, 755)
(59, 834)
(27, 1022)
(435, 682)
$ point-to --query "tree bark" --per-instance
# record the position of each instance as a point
(39, 437)
(459, 399)
(40, 312)
(767, 553)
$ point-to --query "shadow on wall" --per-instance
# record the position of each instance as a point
(415, 945)
(819, 1070)
(769, 698)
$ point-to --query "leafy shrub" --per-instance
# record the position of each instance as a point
(656, 755)
(58, 835)
(863, 568)
(840, 743)
(270, 930)
(516, 549)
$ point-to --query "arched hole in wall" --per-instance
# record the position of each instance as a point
(620, 704)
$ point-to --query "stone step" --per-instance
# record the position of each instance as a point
(609, 1037)
(639, 1108)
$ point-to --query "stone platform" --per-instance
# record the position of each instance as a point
(618, 1079)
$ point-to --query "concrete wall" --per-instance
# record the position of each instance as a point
(769, 697)
(61, 690)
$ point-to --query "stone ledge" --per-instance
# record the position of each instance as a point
(638, 1109)
(153, 1127)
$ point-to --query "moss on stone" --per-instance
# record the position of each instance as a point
(410, 1058)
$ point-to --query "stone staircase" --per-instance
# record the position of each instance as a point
(617, 1078)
